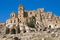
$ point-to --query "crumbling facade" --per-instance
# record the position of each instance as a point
(42, 19)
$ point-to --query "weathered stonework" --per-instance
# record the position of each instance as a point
(42, 19)
(47, 25)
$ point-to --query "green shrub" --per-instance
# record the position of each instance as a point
(31, 23)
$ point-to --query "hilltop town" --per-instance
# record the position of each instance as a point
(26, 23)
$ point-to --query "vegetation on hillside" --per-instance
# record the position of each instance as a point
(31, 23)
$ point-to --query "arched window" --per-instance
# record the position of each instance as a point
(13, 15)
(16, 38)
(30, 12)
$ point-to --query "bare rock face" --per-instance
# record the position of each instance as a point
(30, 36)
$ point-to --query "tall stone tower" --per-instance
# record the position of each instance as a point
(20, 14)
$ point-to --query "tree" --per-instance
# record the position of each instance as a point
(32, 22)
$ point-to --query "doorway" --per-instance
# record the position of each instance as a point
(13, 31)
(7, 30)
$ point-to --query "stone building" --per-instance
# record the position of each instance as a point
(46, 18)
(2, 24)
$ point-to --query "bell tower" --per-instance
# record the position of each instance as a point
(20, 9)
(20, 13)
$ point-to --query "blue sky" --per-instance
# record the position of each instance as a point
(8, 6)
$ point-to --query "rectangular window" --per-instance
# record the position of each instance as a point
(20, 22)
(14, 21)
(35, 15)
(11, 21)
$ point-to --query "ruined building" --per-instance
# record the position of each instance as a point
(17, 21)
